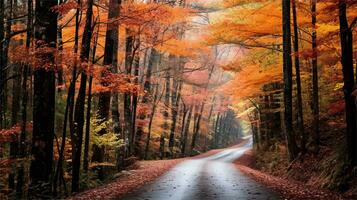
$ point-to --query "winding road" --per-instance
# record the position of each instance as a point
(213, 177)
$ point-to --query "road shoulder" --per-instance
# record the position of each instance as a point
(128, 181)
(288, 189)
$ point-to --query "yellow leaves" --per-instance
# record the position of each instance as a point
(110, 139)
(338, 86)
(245, 25)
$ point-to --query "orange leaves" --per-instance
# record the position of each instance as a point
(39, 58)
(251, 79)
(139, 14)
(248, 25)
(186, 48)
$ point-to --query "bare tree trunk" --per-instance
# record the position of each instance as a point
(44, 100)
(349, 82)
(156, 99)
(24, 101)
(77, 138)
(2, 66)
(315, 81)
(88, 115)
(287, 73)
(129, 42)
(197, 128)
(186, 132)
(175, 100)
(298, 80)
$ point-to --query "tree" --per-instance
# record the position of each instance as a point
(287, 71)
(2, 65)
(44, 95)
(315, 80)
(298, 79)
(110, 59)
(77, 137)
(349, 82)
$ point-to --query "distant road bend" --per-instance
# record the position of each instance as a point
(213, 177)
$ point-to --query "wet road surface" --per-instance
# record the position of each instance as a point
(213, 177)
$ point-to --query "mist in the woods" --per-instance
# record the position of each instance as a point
(179, 99)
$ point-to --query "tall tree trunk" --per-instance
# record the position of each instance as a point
(175, 100)
(165, 112)
(291, 143)
(216, 131)
(110, 54)
(16, 90)
(156, 99)
(89, 107)
(127, 97)
(77, 138)
(300, 120)
(197, 128)
(315, 81)
(186, 132)
(44, 99)
(147, 87)
(2, 65)
(22, 146)
(135, 136)
(349, 82)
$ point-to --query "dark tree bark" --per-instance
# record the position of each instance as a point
(165, 111)
(2, 65)
(175, 107)
(216, 130)
(300, 120)
(24, 101)
(287, 76)
(186, 132)
(197, 128)
(89, 107)
(349, 82)
(136, 136)
(16, 92)
(77, 138)
(44, 98)
(315, 81)
(175, 101)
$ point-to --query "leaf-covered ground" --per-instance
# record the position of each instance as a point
(288, 188)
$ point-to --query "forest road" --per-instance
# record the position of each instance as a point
(213, 177)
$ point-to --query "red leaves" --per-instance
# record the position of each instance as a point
(10, 135)
(64, 8)
(336, 107)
